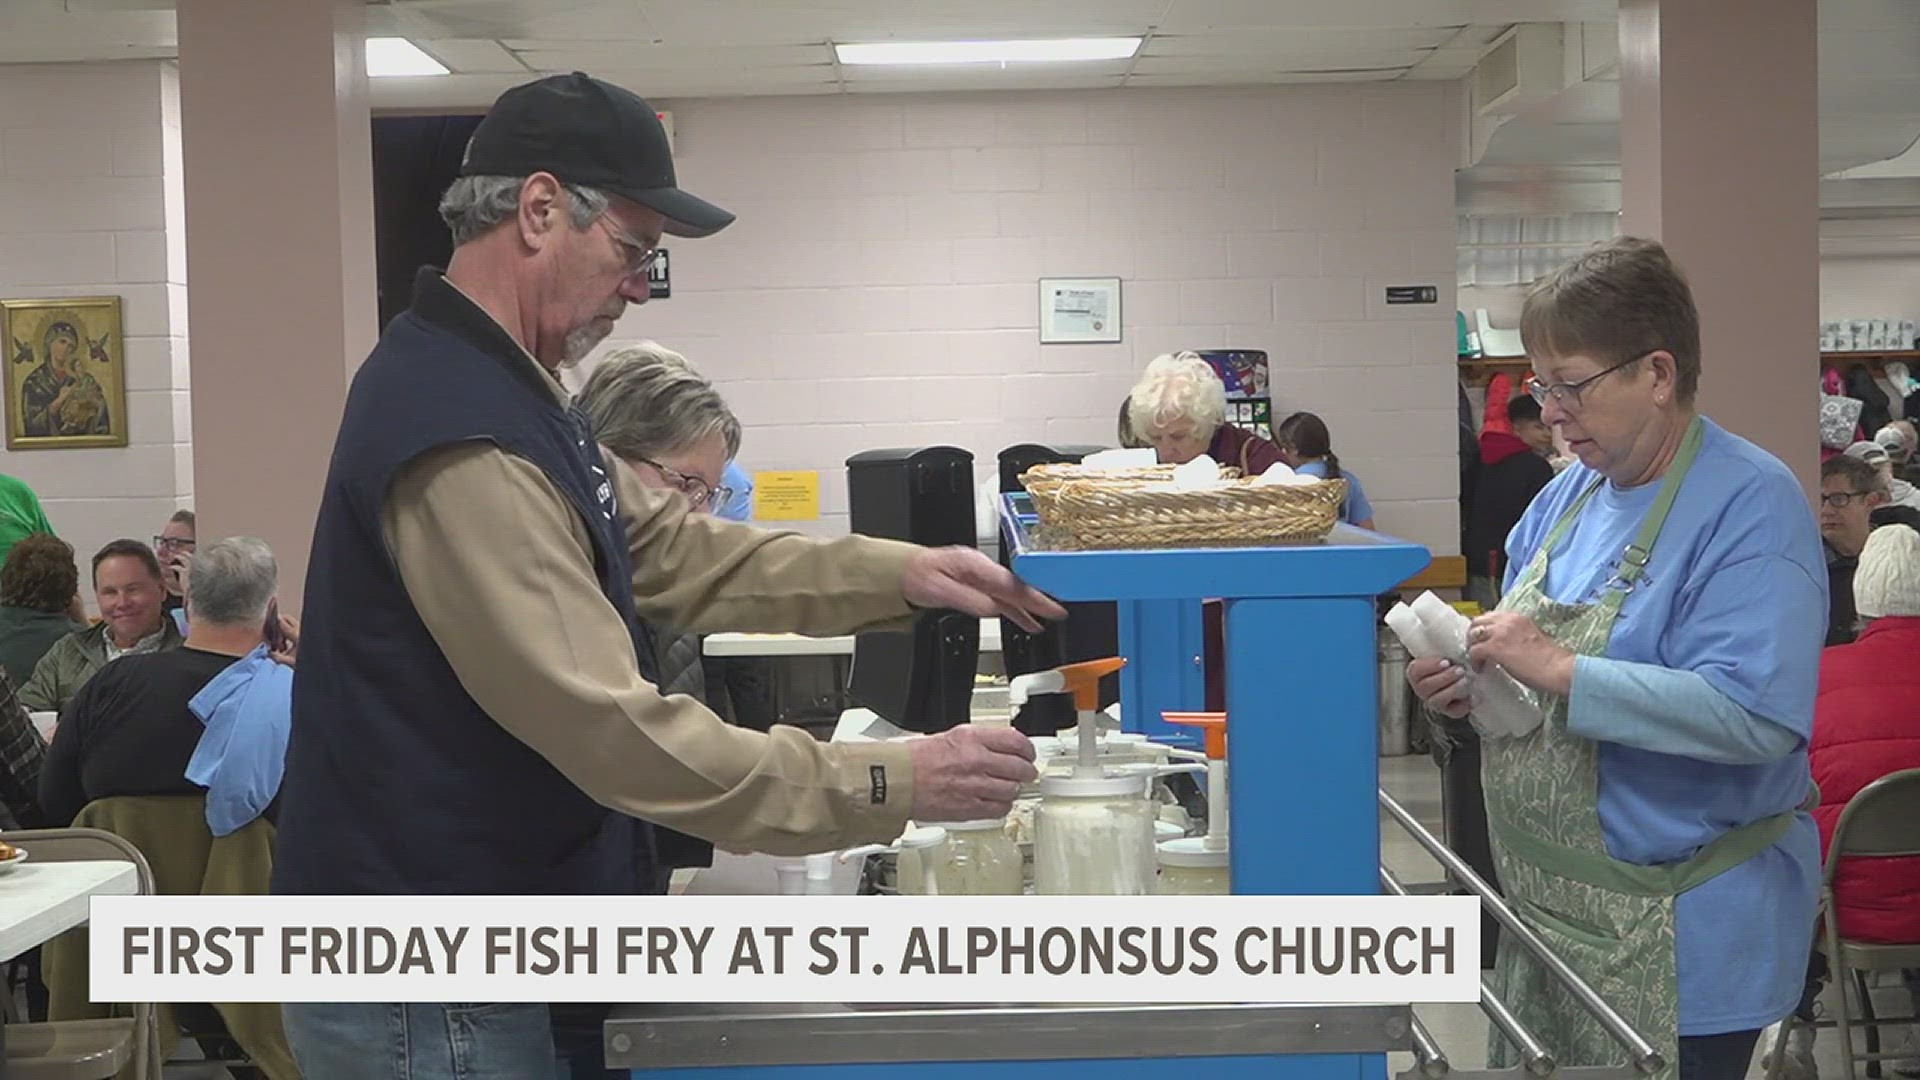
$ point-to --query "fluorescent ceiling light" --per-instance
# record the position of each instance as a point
(388, 57)
(988, 52)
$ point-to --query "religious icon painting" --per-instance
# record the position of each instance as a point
(66, 372)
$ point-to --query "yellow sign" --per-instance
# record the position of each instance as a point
(786, 496)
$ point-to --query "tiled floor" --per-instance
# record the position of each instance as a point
(1461, 1030)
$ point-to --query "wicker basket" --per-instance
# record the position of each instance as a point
(1044, 482)
(1148, 515)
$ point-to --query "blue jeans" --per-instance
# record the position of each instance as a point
(439, 1042)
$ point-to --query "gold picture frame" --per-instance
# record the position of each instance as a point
(66, 364)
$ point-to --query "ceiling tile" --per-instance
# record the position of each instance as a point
(758, 22)
(1229, 14)
(1280, 78)
(1201, 67)
(603, 20)
(743, 61)
(1295, 41)
(472, 55)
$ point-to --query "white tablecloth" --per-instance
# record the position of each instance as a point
(40, 901)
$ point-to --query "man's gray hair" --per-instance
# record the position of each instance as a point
(646, 400)
(475, 204)
(230, 582)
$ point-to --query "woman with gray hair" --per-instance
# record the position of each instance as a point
(1179, 407)
(664, 420)
(650, 408)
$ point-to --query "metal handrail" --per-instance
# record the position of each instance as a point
(1644, 1057)
(1534, 1056)
(1427, 1055)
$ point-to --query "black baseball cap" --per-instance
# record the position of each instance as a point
(593, 133)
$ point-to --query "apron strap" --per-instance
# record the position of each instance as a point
(1725, 852)
(1633, 561)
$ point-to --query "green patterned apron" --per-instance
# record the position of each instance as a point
(1611, 921)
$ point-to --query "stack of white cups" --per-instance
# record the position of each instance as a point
(1430, 628)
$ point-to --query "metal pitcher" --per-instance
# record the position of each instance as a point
(1396, 706)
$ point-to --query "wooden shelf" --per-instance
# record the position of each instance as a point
(1477, 370)
(1905, 356)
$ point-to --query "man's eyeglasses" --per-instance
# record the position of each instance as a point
(639, 257)
(171, 543)
(1567, 395)
(1840, 500)
(695, 489)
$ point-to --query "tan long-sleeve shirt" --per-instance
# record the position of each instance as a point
(500, 567)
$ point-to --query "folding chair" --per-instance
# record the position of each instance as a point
(85, 1049)
(1882, 821)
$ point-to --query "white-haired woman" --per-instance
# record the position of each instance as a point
(1179, 407)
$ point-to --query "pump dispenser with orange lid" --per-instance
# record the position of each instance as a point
(1201, 865)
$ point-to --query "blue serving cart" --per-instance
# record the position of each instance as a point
(1303, 742)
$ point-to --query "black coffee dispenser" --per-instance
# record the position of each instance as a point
(1091, 631)
(920, 680)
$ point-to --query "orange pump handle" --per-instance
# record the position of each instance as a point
(1083, 680)
(1212, 724)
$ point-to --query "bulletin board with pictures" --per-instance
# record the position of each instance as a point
(1244, 373)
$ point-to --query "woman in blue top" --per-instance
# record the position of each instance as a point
(1306, 445)
(1666, 602)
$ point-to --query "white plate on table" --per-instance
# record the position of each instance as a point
(7, 865)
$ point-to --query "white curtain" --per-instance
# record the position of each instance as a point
(1520, 250)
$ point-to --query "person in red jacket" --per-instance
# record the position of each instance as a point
(1866, 724)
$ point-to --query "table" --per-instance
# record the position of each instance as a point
(801, 645)
(40, 901)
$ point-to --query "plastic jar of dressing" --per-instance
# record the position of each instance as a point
(978, 859)
(1094, 836)
(1188, 868)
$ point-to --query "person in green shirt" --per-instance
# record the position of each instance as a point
(20, 514)
(39, 584)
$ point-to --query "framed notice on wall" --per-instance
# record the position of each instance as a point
(1079, 310)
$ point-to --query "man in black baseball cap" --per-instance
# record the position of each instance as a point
(478, 709)
(593, 134)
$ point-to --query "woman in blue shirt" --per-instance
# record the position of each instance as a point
(1306, 446)
(1666, 602)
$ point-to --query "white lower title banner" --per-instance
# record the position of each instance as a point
(787, 949)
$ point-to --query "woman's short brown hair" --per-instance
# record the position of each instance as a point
(1617, 301)
(40, 574)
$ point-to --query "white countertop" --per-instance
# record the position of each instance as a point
(799, 645)
(40, 901)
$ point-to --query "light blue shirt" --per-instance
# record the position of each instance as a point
(1736, 594)
(242, 756)
(1355, 506)
(739, 505)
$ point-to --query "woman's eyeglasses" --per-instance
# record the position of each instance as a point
(697, 491)
(1567, 395)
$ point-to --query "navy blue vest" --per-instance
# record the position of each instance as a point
(397, 782)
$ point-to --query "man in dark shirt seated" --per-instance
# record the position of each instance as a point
(130, 731)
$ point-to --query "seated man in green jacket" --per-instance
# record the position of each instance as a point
(127, 584)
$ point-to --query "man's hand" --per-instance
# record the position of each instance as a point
(290, 645)
(965, 580)
(969, 773)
